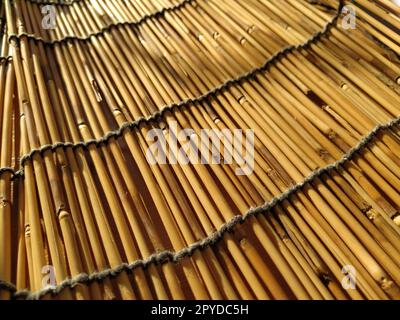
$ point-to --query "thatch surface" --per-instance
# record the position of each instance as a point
(88, 206)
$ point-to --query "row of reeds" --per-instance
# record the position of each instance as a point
(86, 209)
(176, 44)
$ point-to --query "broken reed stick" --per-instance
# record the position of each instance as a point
(244, 262)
